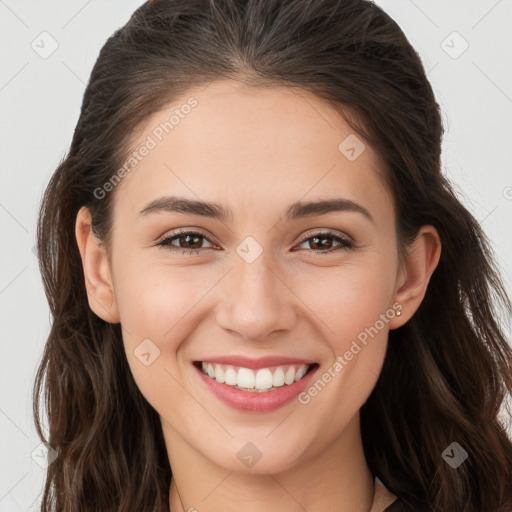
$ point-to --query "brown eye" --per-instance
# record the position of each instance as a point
(318, 245)
(188, 242)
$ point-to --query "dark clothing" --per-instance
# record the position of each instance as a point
(400, 506)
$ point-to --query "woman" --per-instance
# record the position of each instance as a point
(265, 293)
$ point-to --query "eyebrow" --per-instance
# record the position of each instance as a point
(216, 211)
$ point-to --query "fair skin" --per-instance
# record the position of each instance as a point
(256, 151)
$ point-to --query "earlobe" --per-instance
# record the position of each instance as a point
(422, 259)
(97, 276)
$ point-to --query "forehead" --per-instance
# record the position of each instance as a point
(262, 145)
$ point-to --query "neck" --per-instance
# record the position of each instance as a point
(335, 478)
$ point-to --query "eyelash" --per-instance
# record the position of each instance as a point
(344, 242)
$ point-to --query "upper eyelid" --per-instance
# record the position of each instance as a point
(326, 232)
(187, 232)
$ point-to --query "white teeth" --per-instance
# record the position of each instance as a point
(245, 378)
(300, 373)
(289, 376)
(264, 379)
(219, 374)
(230, 377)
(278, 378)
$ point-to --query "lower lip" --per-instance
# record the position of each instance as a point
(254, 401)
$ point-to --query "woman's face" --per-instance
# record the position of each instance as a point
(259, 281)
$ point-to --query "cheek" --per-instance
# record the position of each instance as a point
(154, 299)
(348, 298)
(160, 306)
(352, 308)
(348, 304)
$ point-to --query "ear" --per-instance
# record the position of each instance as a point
(421, 261)
(98, 280)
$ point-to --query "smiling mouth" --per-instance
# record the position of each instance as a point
(261, 380)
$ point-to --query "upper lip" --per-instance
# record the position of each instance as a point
(256, 363)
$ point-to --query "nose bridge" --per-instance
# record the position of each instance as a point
(258, 302)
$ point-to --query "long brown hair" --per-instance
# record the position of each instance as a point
(447, 370)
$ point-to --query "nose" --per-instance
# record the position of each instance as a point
(256, 300)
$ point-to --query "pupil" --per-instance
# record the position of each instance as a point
(320, 238)
(189, 237)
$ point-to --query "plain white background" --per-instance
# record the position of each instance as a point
(466, 47)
